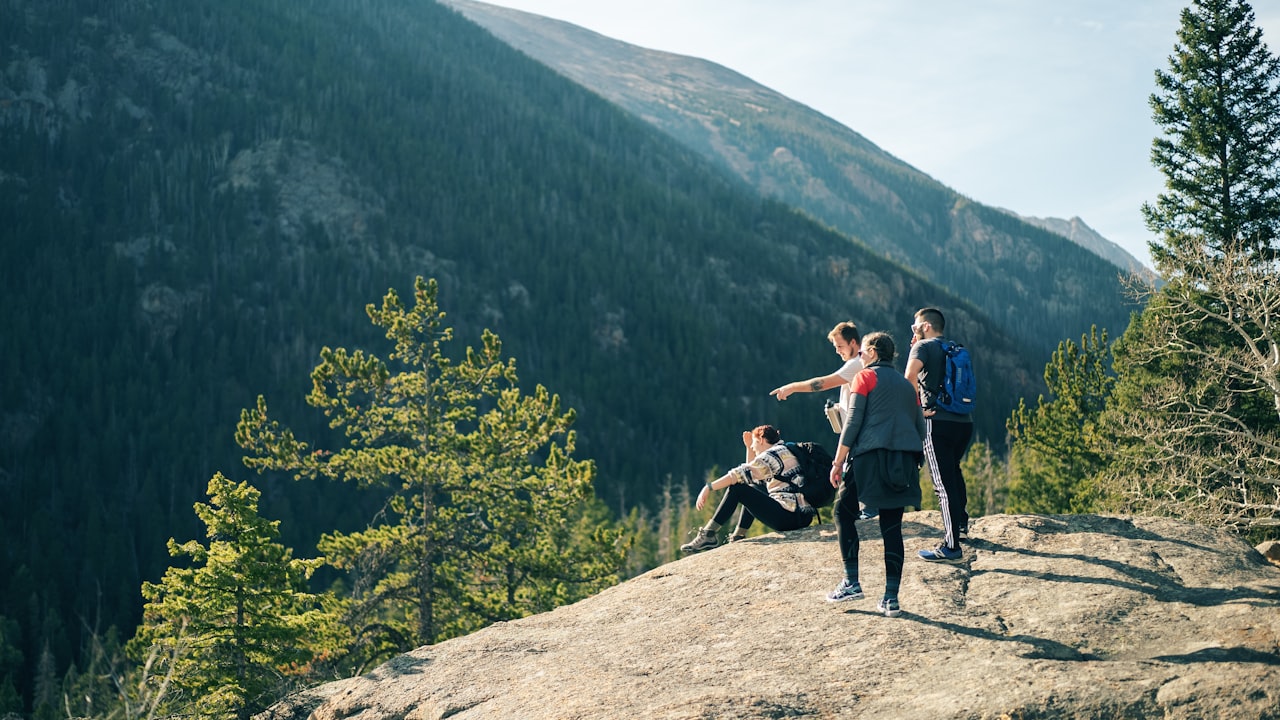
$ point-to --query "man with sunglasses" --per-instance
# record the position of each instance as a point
(947, 435)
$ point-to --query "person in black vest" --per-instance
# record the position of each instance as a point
(764, 488)
(878, 461)
(948, 436)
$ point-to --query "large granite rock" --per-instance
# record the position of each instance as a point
(1048, 617)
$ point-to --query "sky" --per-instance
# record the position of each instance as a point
(1037, 107)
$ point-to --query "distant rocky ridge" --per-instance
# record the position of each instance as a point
(1086, 237)
(1048, 617)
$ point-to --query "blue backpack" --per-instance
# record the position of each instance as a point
(959, 389)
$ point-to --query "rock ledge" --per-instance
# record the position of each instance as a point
(1048, 617)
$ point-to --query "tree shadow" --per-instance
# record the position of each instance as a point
(1047, 649)
(406, 664)
(1221, 654)
(1150, 582)
(1101, 524)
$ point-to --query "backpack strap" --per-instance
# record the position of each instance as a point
(942, 376)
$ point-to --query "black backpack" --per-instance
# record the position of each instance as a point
(814, 481)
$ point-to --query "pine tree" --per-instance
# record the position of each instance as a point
(228, 628)
(1056, 448)
(1219, 108)
(10, 664)
(483, 500)
(986, 478)
(88, 689)
(45, 700)
(1196, 405)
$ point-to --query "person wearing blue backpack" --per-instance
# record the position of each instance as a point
(943, 376)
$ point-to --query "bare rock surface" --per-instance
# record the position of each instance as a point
(1048, 617)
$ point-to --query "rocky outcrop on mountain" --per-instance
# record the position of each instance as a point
(1086, 237)
(309, 189)
(1047, 617)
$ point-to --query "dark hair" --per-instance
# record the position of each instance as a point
(882, 344)
(768, 433)
(933, 316)
(846, 330)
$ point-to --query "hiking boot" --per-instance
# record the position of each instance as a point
(704, 540)
(889, 606)
(736, 537)
(845, 591)
(941, 554)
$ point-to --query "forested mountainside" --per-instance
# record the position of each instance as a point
(196, 197)
(1036, 285)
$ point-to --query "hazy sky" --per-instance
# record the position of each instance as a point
(1037, 107)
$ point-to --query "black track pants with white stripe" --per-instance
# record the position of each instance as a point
(945, 444)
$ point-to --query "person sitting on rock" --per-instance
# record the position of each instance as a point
(763, 487)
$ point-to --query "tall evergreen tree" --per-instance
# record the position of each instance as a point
(10, 662)
(483, 497)
(235, 621)
(986, 477)
(1196, 406)
(1057, 449)
(1219, 108)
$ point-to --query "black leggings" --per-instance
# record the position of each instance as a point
(756, 503)
(846, 512)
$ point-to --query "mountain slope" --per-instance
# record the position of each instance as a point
(196, 197)
(1037, 286)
